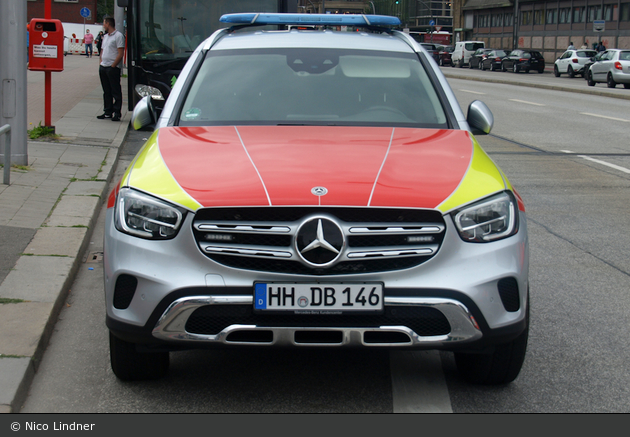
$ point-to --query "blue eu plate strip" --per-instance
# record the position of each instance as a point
(260, 297)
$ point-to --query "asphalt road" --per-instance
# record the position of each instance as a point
(580, 273)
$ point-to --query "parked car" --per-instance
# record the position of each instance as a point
(612, 68)
(523, 60)
(445, 55)
(590, 62)
(493, 60)
(463, 51)
(572, 62)
(368, 217)
(433, 50)
(477, 57)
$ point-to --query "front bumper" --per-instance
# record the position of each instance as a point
(461, 284)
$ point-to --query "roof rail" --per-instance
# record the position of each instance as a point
(356, 20)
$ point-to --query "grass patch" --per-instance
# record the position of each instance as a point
(13, 356)
(42, 132)
(4, 300)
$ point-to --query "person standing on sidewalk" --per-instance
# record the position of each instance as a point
(88, 39)
(98, 41)
(111, 54)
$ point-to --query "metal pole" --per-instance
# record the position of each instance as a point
(515, 26)
(6, 129)
(13, 95)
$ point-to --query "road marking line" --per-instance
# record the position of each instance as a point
(473, 92)
(526, 102)
(607, 164)
(605, 116)
(418, 384)
(616, 167)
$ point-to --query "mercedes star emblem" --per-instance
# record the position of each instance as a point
(319, 241)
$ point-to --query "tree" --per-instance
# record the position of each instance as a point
(104, 8)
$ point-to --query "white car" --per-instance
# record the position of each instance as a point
(315, 188)
(613, 67)
(463, 51)
(572, 62)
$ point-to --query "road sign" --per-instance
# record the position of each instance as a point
(432, 23)
(599, 25)
(85, 12)
(438, 28)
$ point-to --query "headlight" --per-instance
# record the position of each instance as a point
(146, 90)
(491, 219)
(147, 217)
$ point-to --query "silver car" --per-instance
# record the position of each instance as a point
(315, 188)
(613, 67)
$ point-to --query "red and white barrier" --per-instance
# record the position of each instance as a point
(76, 46)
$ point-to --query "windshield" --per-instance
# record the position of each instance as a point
(174, 28)
(314, 87)
(471, 46)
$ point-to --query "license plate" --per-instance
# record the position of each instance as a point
(318, 298)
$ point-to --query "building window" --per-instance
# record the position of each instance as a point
(552, 16)
(497, 20)
(594, 13)
(508, 19)
(625, 12)
(483, 20)
(564, 15)
(539, 17)
(526, 18)
(611, 13)
(578, 14)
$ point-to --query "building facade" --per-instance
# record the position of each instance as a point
(418, 16)
(67, 11)
(544, 25)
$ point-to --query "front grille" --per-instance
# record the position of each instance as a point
(263, 238)
(212, 319)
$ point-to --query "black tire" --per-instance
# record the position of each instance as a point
(541, 71)
(515, 68)
(626, 86)
(589, 78)
(131, 365)
(499, 367)
(570, 72)
(556, 72)
(610, 82)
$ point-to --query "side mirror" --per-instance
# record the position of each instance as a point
(480, 118)
(143, 114)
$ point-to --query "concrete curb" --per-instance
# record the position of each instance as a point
(19, 371)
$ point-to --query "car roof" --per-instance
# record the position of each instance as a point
(294, 38)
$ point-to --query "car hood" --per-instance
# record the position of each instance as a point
(198, 167)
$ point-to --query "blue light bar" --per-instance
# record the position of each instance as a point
(312, 19)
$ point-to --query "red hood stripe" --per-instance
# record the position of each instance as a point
(228, 166)
(423, 168)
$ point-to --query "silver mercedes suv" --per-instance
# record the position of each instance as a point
(315, 188)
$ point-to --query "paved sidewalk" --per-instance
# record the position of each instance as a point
(47, 214)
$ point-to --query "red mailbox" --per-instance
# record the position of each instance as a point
(45, 45)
